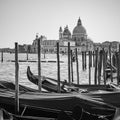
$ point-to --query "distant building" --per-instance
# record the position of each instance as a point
(114, 45)
(106, 45)
(78, 39)
(97, 46)
(9, 50)
(48, 46)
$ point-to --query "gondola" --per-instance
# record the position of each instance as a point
(50, 104)
(77, 114)
(5, 115)
(11, 86)
(50, 84)
(47, 85)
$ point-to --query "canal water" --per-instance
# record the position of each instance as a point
(49, 69)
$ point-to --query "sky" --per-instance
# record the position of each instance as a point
(20, 20)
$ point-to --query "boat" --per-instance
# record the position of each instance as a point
(5, 115)
(50, 104)
(50, 84)
(77, 114)
(47, 85)
(11, 86)
(72, 87)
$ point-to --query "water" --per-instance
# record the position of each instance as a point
(7, 68)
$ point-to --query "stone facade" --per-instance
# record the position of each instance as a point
(78, 39)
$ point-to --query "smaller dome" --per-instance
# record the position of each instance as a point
(66, 31)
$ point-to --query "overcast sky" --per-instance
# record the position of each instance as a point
(20, 20)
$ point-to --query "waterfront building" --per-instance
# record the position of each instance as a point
(9, 50)
(114, 45)
(77, 39)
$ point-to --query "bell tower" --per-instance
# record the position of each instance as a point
(60, 33)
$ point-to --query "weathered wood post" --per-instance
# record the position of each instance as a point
(104, 66)
(83, 61)
(69, 75)
(27, 53)
(58, 67)
(110, 63)
(2, 56)
(117, 56)
(100, 65)
(39, 64)
(93, 58)
(118, 66)
(99, 60)
(96, 66)
(77, 66)
(90, 65)
(71, 65)
(16, 80)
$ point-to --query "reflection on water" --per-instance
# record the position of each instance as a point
(7, 69)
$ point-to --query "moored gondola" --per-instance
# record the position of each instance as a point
(11, 86)
(50, 84)
(50, 104)
(55, 102)
(77, 114)
(47, 85)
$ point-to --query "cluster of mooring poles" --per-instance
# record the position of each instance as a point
(70, 64)
(101, 60)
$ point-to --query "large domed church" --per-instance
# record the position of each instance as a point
(77, 39)
(79, 34)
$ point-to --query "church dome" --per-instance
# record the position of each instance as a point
(79, 29)
(66, 31)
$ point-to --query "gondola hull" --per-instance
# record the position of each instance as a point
(47, 85)
(57, 102)
(50, 84)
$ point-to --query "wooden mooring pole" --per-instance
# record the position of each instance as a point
(83, 61)
(27, 53)
(93, 58)
(85, 53)
(104, 66)
(58, 67)
(69, 74)
(39, 65)
(100, 60)
(1, 56)
(110, 63)
(16, 80)
(77, 66)
(90, 65)
(71, 65)
(96, 66)
(118, 66)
